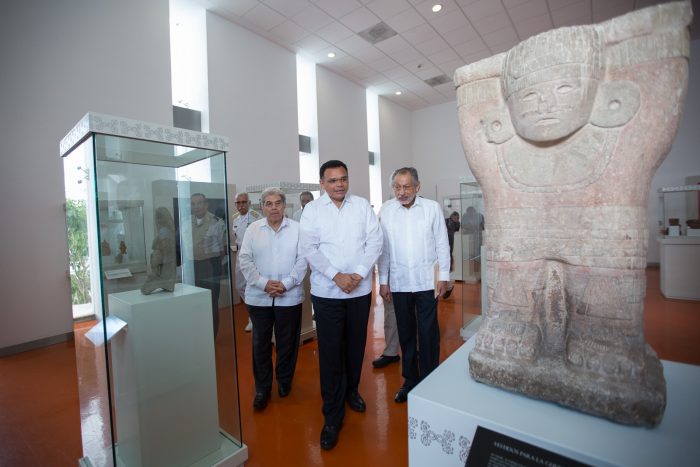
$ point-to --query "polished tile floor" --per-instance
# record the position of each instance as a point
(40, 410)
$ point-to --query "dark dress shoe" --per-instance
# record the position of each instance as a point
(356, 402)
(283, 389)
(402, 394)
(261, 400)
(329, 436)
(385, 360)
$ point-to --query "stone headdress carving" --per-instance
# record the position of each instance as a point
(564, 133)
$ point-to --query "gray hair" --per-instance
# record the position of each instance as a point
(270, 192)
(406, 170)
(242, 193)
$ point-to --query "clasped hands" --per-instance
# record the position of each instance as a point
(275, 288)
(347, 282)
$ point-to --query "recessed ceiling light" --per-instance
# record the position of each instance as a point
(437, 7)
(331, 54)
(398, 93)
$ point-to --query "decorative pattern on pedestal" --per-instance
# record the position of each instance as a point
(564, 133)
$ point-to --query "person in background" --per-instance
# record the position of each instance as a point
(239, 223)
(415, 240)
(341, 239)
(391, 338)
(452, 224)
(274, 272)
(304, 198)
(208, 246)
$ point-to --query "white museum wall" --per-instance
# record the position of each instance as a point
(684, 158)
(252, 100)
(394, 142)
(437, 151)
(342, 127)
(60, 60)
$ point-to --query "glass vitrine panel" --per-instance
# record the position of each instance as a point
(292, 190)
(471, 239)
(149, 264)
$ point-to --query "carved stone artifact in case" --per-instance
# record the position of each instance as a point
(564, 133)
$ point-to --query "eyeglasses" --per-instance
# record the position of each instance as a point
(404, 188)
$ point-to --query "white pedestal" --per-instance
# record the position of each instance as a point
(445, 409)
(164, 378)
(680, 267)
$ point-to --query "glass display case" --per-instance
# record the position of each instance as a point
(679, 240)
(471, 242)
(148, 253)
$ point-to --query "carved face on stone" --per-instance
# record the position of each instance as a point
(550, 82)
(553, 109)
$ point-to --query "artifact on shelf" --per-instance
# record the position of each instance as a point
(105, 249)
(564, 133)
(163, 259)
(693, 223)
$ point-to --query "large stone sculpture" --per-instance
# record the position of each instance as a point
(564, 133)
(163, 259)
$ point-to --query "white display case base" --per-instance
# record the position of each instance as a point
(445, 409)
(680, 267)
(229, 455)
(165, 378)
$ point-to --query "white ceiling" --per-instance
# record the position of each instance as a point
(427, 44)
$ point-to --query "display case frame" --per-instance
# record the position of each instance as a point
(679, 245)
(156, 385)
(472, 224)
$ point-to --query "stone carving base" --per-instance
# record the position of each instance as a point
(640, 402)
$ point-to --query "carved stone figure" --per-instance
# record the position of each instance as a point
(564, 133)
(163, 260)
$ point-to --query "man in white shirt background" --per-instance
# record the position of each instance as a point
(341, 239)
(415, 240)
(208, 246)
(304, 198)
(239, 223)
(274, 273)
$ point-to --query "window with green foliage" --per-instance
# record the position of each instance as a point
(79, 262)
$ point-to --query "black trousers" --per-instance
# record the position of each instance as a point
(207, 274)
(419, 333)
(341, 330)
(286, 322)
